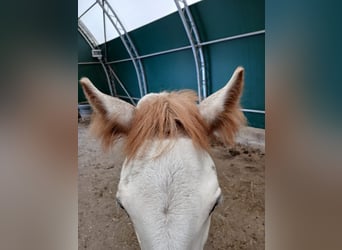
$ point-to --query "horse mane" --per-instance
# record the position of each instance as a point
(166, 116)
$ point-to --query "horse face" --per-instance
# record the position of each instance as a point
(170, 199)
(168, 184)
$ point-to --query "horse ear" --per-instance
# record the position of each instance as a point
(222, 111)
(112, 116)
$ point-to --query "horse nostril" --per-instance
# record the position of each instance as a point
(166, 210)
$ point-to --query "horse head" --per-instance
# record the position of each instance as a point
(168, 184)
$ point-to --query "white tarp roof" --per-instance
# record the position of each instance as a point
(132, 13)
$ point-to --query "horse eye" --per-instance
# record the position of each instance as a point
(119, 203)
(213, 208)
(218, 200)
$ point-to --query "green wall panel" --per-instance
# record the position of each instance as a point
(247, 52)
(84, 51)
(256, 120)
(96, 74)
(126, 73)
(164, 34)
(221, 18)
(115, 50)
(173, 71)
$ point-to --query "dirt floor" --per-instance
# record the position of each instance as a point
(237, 223)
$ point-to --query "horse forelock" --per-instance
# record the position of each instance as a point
(166, 116)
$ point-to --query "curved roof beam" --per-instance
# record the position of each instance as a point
(87, 35)
(192, 33)
(106, 67)
(126, 40)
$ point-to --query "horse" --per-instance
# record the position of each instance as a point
(168, 183)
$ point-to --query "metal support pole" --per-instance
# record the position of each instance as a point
(104, 32)
(122, 86)
(254, 111)
(189, 46)
(134, 98)
(192, 33)
(104, 58)
(254, 33)
(126, 40)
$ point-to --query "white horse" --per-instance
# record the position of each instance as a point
(168, 184)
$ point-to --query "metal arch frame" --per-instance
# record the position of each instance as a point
(259, 32)
(85, 12)
(109, 68)
(82, 28)
(193, 36)
(90, 39)
(195, 44)
(122, 86)
(126, 40)
(220, 40)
